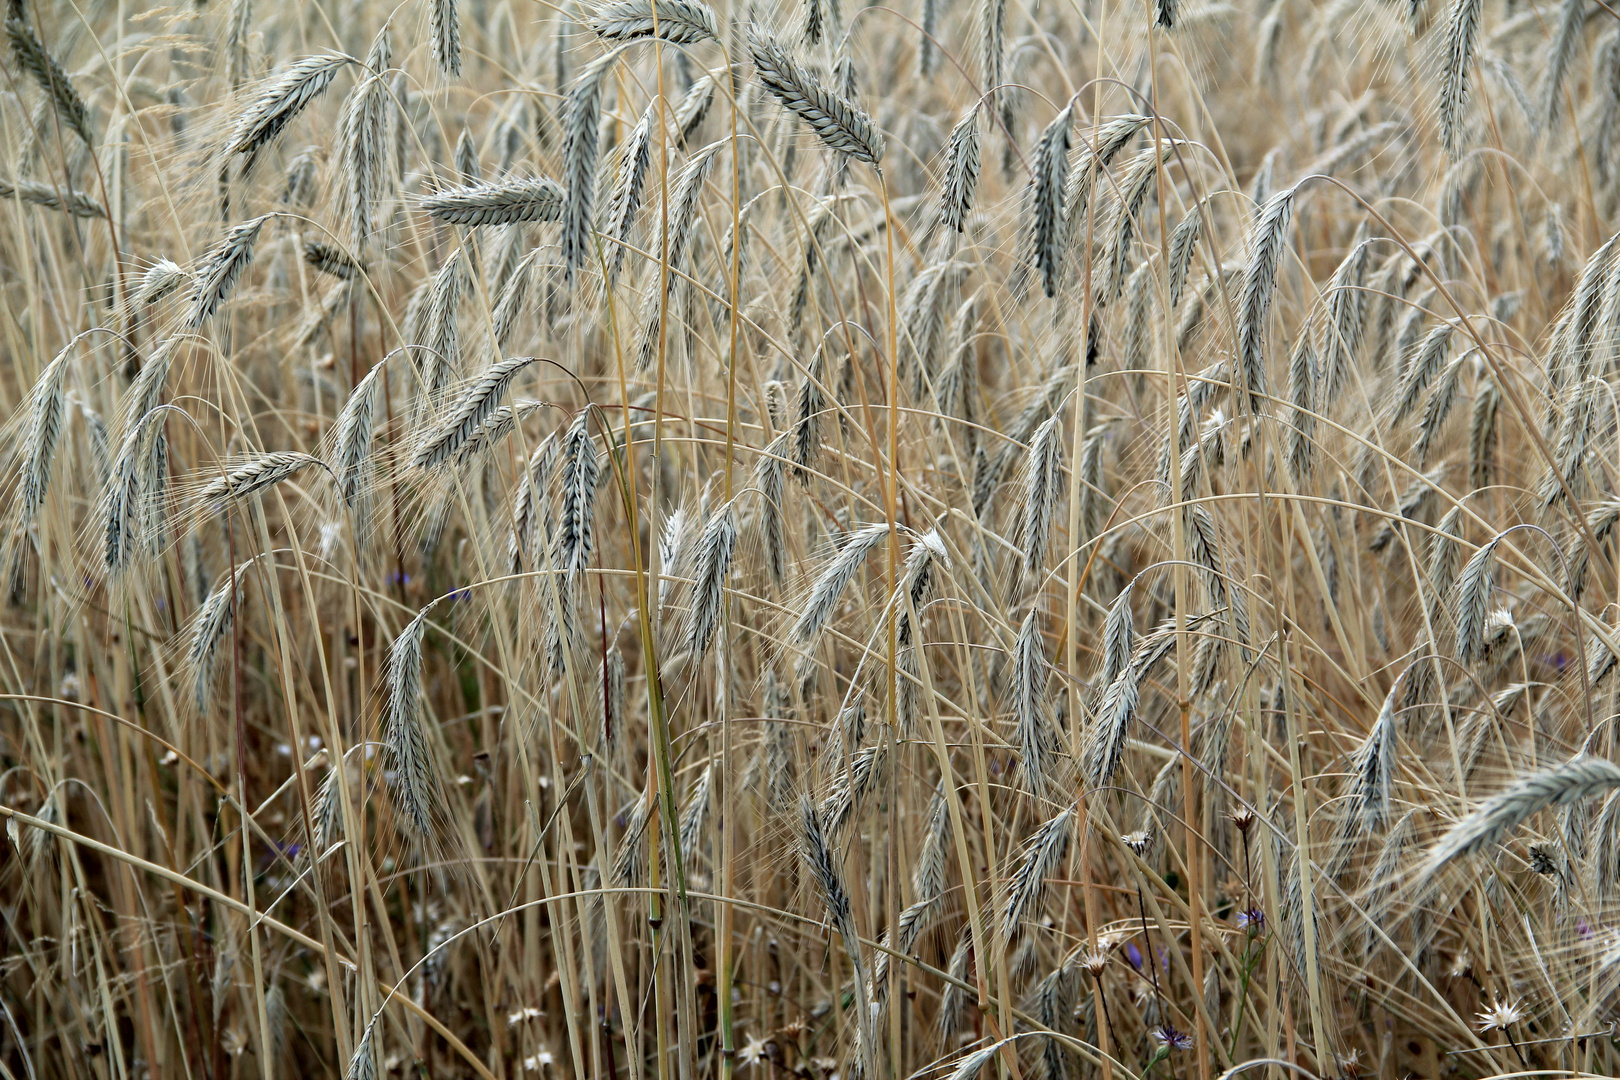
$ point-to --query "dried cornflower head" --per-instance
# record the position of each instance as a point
(1138, 841)
(754, 1050)
(1500, 1017)
(1544, 859)
(1350, 1064)
(1095, 961)
(1243, 818)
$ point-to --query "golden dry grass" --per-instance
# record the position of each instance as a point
(1070, 540)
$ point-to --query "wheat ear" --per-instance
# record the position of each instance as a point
(628, 187)
(1580, 778)
(1462, 33)
(992, 18)
(446, 27)
(1303, 382)
(363, 1064)
(45, 405)
(576, 537)
(1042, 853)
(685, 22)
(1105, 746)
(839, 124)
(354, 427)
(1096, 154)
(65, 99)
(1043, 480)
(1373, 768)
(927, 51)
(692, 108)
(218, 270)
(1564, 475)
(441, 331)
(1133, 193)
(476, 404)
(161, 278)
(1427, 361)
(865, 773)
(500, 202)
(1347, 308)
(830, 584)
(513, 298)
(330, 260)
(818, 858)
(495, 427)
(1119, 636)
(1183, 242)
(363, 129)
(1047, 190)
(674, 550)
(681, 221)
(252, 474)
(416, 782)
(1032, 729)
(122, 508)
(533, 488)
(580, 150)
(1470, 602)
(280, 102)
(1600, 523)
(96, 432)
(1436, 410)
(1571, 24)
(67, 200)
(770, 474)
(1266, 242)
(208, 629)
(960, 177)
(952, 998)
(717, 545)
(696, 815)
